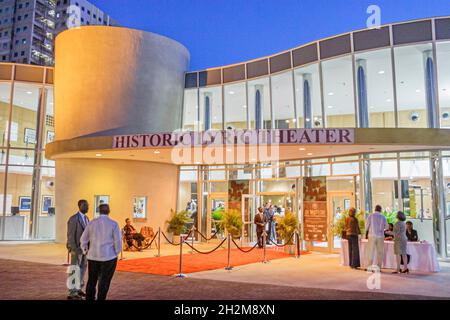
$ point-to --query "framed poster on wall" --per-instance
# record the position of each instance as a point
(140, 208)
(29, 136)
(47, 202)
(98, 200)
(50, 136)
(24, 203)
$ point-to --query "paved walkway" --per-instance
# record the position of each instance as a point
(25, 271)
(22, 280)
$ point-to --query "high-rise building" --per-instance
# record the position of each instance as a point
(28, 27)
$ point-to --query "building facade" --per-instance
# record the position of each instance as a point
(28, 27)
(362, 117)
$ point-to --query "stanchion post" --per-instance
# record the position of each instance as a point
(297, 241)
(192, 238)
(180, 274)
(229, 267)
(159, 243)
(264, 247)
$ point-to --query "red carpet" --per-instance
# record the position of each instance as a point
(169, 265)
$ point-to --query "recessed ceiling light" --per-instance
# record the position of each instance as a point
(309, 154)
(229, 150)
(308, 120)
(244, 106)
(98, 155)
(29, 92)
(231, 92)
(157, 152)
(418, 90)
(302, 149)
(287, 121)
(388, 100)
(331, 94)
(330, 107)
(381, 72)
(253, 160)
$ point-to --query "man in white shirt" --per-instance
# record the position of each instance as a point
(375, 226)
(102, 241)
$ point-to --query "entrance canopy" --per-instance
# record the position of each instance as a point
(249, 146)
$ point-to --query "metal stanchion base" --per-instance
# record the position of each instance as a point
(157, 255)
(180, 275)
(229, 268)
(266, 261)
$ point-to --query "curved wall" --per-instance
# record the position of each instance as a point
(121, 181)
(117, 81)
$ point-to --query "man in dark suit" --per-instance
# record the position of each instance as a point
(75, 228)
(259, 221)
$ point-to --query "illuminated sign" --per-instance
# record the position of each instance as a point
(236, 137)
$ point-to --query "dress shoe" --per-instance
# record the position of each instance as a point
(81, 293)
(74, 297)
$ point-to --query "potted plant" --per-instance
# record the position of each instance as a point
(339, 224)
(287, 225)
(232, 222)
(176, 225)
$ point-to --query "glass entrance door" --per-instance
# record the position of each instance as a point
(337, 203)
(217, 204)
(249, 206)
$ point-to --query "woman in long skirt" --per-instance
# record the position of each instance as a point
(400, 243)
(352, 232)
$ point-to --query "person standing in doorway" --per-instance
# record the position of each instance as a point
(102, 241)
(259, 222)
(376, 225)
(75, 228)
(353, 231)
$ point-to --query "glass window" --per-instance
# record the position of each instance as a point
(259, 104)
(46, 209)
(5, 93)
(18, 203)
(384, 175)
(416, 195)
(410, 81)
(49, 121)
(235, 106)
(24, 115)
(443, 64)
(375, 89)
(190, 110)
(283, 101)
(21, 157)
(307, 95)
(211, 108)
(338, 93)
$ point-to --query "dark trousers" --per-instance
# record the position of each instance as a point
(101, 273)
(259, 235)
(353, 251)
(138, 237)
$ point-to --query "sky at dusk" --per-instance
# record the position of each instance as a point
(220, 32)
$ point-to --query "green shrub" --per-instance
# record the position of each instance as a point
(339, 223)
(177, 223)
(287, 226)
(232, 222)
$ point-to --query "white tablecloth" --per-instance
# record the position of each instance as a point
(423, 256)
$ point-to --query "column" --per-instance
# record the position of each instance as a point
(307, 112)
(438, 198)
(430, 88)
(207, 111)
(366, 182)
(363, 113)
(258, 107)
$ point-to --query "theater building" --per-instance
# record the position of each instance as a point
(357, 119)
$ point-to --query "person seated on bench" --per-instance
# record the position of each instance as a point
(131, 234)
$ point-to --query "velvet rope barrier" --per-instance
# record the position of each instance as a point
(242, 250)
(208, 252)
